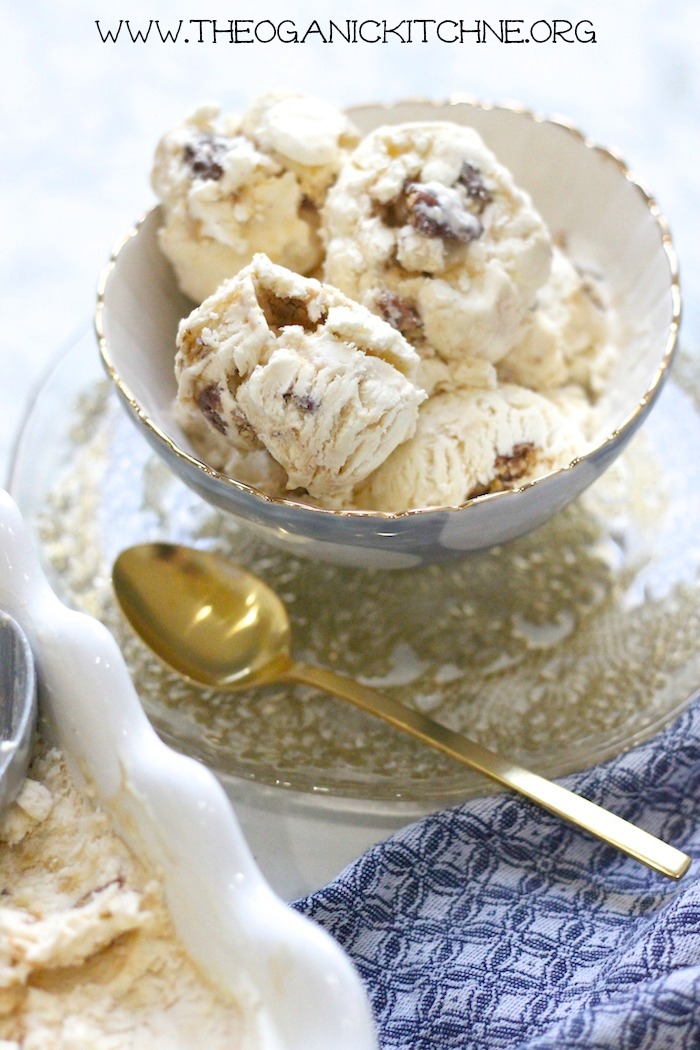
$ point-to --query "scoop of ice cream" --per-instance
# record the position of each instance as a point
(567, 337)
(278, 362)
(232, 186)
(88, 955)
(426, 228)
(469, 442)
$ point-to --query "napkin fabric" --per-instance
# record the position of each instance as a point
(496, 925)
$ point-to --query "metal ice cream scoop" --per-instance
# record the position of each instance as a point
(17, 708)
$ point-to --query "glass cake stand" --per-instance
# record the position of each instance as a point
(560, 649)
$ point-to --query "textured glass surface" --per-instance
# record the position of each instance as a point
(560, 649)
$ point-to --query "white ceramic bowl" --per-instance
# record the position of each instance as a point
(583, 191)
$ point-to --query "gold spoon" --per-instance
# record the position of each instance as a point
(221, 627)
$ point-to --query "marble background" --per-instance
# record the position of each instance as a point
(81, 117)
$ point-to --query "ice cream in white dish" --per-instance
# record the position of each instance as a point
(452, 349)
(88, 954)
(234, 185)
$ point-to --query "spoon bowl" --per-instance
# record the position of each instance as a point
(222, 627)
(212, 621)
(18, 704)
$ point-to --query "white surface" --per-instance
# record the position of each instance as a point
(80, 120)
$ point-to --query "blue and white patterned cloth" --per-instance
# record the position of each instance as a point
(495, 925)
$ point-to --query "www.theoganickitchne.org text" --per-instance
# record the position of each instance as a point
(348, 31)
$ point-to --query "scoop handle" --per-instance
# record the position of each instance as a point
(575, 809)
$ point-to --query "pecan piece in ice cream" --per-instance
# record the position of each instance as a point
(204, 154)
(400, 314)
(471, 178)
(438, 211)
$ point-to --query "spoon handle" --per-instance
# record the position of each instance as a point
(574, 808)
